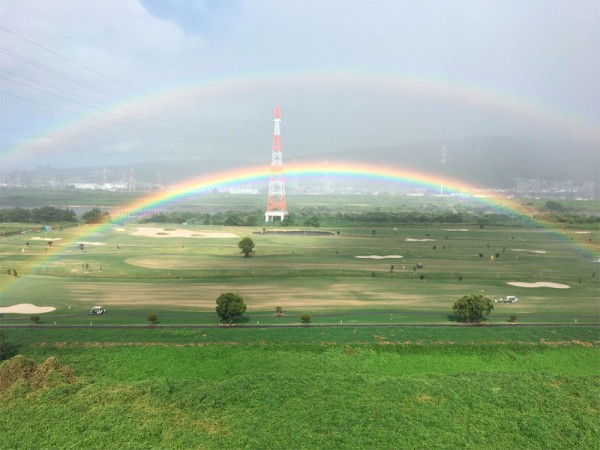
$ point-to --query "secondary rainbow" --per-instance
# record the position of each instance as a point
(205, 91)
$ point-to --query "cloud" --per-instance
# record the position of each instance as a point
(152, 79)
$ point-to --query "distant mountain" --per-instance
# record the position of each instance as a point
(496, 162)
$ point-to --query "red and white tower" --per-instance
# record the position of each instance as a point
(276, 206)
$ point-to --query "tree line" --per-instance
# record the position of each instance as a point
(46, 214)
(50, 214)
(313, 217)
(310, 217)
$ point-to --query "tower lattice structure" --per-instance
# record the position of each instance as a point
(131, 183)
(276, 206)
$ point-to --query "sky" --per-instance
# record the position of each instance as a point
(105, 82)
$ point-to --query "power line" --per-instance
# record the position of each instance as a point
(58, 108)
(148, 124)
(114, 80)
(83, 82)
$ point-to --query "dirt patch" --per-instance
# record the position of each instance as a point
(296, 233)
(179, 233)
(563, 343)
(424, 398)
(381, 257)
(582, 343)
(539, 284)
(260, 296)
(26, 308)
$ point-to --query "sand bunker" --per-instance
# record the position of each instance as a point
(26, 308)
(528, 251)
(582, 232)
(45, 239)
(119, 229)
(455, 229)
(418, 240)
(92, 243)
(162, 232)
(539, 284)
(381, 257)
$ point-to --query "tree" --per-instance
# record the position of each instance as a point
(95, 215)
(36, 319)
(278, 311)
(246, 245)
(152, 318)
(472, 308)
(230, 306)
(305, 319)
(551, 205)
(50, 214)
(7, 350)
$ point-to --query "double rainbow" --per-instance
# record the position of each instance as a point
(218, 90)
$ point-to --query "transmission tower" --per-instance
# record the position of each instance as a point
(276, 206)
(131, 184)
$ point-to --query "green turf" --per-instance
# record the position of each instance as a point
(296, 388)
(179, 278)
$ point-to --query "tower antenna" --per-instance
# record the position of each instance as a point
(443, 161)
(276, 205)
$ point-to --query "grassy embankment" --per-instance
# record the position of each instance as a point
(309, 387)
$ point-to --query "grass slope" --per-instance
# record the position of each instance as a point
(297, 388)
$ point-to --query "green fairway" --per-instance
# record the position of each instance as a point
(353, 275)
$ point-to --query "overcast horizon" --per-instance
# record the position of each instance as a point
(108, 83)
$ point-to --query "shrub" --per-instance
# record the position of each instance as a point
(306, 319)
(35, 319)
(7, 350)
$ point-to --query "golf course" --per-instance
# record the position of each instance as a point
(383, 361)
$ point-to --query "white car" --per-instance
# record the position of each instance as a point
(97, 311)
